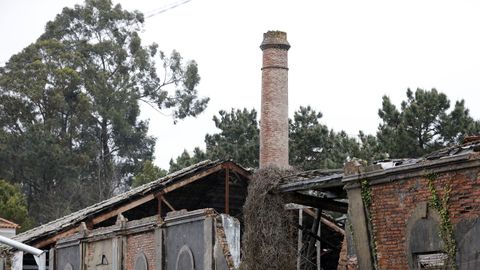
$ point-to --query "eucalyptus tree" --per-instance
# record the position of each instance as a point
(70, 132)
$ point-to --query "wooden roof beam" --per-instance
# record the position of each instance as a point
(143, 199)
(325, 204)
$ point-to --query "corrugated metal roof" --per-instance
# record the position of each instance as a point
(76, 218)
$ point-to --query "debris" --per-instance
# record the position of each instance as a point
(270, 235)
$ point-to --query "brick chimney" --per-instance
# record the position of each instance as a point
(274, 112)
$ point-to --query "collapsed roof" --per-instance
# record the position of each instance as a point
(212, 172)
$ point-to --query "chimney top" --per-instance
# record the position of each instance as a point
(275, 39)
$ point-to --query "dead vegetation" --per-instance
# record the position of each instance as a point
(270, 236)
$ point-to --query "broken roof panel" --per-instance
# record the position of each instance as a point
(314, 179)
(325, 179)
(168, 182)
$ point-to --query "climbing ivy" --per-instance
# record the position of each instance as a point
(446, 227)
(366, 193)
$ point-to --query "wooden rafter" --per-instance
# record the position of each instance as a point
(316, 202)
(118, 209)
(227, 191)
(167, 203)
(191, 179)
(114, 212)
(56, 237)
(232, 166)
(325, 221)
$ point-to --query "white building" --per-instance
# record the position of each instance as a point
(8, 228)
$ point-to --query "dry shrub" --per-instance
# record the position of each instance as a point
(269, 236)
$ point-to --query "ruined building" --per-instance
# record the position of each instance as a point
(420, 213)
(186, 220)
(397, 214)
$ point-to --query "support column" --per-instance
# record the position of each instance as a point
(358, 219)
(51, 259)
(208, 238)
(159, 254)
(17, 260)
(227, 191)
(300, 239)
(315, 228)
(319, 248)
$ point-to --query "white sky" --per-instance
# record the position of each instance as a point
(345, 55)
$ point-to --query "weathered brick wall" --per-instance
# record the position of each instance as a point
(274, 111)
(393, 203)
(345, 262)
(142, 242)
(342, 262)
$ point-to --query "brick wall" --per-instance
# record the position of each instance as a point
(393, 203)
(142, 242)
(274, 111)
(346, 262)
(342, 261)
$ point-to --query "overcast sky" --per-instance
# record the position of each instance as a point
(345, 55)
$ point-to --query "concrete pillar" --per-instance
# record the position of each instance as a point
(51, 259)
(17, 260)
(357, 217)
(274, 111)
(300, 239)
(361, 239)
(208, 238)
(159, 254)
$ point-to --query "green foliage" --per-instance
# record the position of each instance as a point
(312, 145)
(238, 138)
(185, 160)
(13, 205)
(69, 107)
(366, 193)
(149, 173)
(309, 141)
(423, 124)
(370, 149)
(446, 228)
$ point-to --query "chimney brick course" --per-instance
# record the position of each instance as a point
(274, 111)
